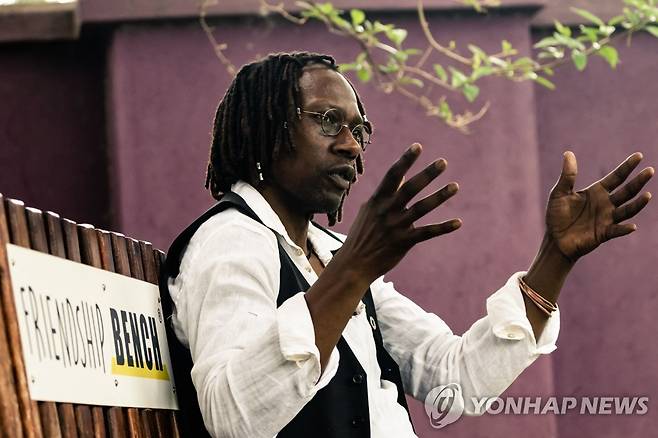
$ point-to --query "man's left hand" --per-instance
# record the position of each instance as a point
(578, 222)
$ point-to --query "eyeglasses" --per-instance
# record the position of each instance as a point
(332, 122)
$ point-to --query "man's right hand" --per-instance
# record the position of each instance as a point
(383, 231)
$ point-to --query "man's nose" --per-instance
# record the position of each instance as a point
(347, 144)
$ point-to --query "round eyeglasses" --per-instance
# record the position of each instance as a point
(332, 122)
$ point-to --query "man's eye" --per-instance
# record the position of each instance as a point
(331, 121)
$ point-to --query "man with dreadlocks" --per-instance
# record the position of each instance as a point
(291, 328)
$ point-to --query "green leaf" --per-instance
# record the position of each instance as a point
(545, 42)
(412, 51)
(340, 22)
(579, 59)
(397, 36)
(326, 8)
(471, 92)
(458, 78)
(481, 71)
(364, 74)
(506, 46)
(591, 33)
(412, 81)
(358, 16)
(588, 16)
(401, 56)
(346, 67)
(571, 43)
(653, 30)
(440, 72)
(477, 51)
(444, 110)
(614, 21)
(610, 54)
(391, 67)
(379, 27)
(545, 82)
(562, 29)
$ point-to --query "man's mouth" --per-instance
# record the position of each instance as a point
(342, 176)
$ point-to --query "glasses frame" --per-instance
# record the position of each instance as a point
(363, 145)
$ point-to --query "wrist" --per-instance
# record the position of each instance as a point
(549, 270)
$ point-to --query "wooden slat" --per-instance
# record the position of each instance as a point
(148, 261)
(57, 248)
(135, 259)
(147, 416)
(17, 224)
(164, 420)
(138, 271)
(39, 242)
(116, 420)
(88, 423)
(170, 423)
(10, 417)
(89, 254)
(122, 266)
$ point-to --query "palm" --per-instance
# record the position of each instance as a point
(578, 222)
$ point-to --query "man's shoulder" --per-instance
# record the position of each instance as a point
(230, 227)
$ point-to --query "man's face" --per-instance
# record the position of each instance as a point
(312, 178)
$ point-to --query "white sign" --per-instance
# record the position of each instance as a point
(90, 336)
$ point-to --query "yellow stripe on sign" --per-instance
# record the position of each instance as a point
(145, 373)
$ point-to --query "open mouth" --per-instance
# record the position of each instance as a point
(342, 176)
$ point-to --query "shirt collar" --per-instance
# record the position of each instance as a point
(320, 240)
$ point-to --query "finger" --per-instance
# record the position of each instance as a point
(618, 230)
(612, 180)
(427, 232)
(630, 209)
(628, 191)
(393, 178)
(418, 182)
(429, 203)
(567, 178)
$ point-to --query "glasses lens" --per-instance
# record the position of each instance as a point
(332, 122)
(361, 135)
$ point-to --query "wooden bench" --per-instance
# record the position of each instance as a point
(47, 232)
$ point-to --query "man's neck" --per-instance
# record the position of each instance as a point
(295, 223)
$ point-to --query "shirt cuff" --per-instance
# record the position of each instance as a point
(506, 310)
(297, 340)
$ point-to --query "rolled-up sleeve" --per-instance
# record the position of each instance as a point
(255, 365)
(484, 361)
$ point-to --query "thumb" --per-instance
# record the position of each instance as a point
(567, 179)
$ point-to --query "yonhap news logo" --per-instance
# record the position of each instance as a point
(444, 405)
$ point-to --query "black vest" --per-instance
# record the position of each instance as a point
(339, 410)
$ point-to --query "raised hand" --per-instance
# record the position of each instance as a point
(383, 231)
(578, 222)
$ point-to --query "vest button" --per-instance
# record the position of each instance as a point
(357, 378)
(358, 421)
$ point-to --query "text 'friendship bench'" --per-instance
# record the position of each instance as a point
(92, 337)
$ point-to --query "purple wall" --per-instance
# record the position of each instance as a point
(610, 301)
(163, 84)
(52, 135)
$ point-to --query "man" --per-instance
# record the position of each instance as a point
(291, 328)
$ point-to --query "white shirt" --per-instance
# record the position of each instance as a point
(256, 365)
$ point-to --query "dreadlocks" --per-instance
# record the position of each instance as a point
(251, 121)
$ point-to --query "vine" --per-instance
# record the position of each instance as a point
(384, 58)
